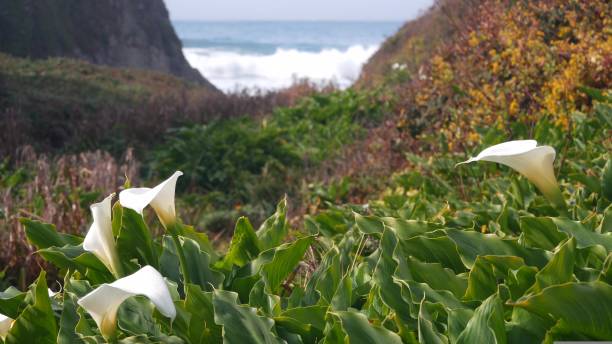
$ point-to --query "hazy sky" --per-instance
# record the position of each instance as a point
(296, 9)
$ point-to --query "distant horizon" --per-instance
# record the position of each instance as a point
(298, 10)
(289, 20)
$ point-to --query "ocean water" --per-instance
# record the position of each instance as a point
(271, 55)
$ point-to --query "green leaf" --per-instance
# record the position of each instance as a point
(389, 290)
(135, 317)
(134, 240)
(487, 324)
(541, 232)
(241, 324)
(286, 258)
(202, 327)
(368, 224)
(436, 276)
(406, 229)
(420, 291)
(244, 246)
(342, 298)
(198, 265)
(273, 231)
(307, 322)
(440, 250)
(44, 235)
(428, 334)
(559, 270)
(12, 302)
(198, 237)
(585, 307)
(606, 180)
(584, 237)
(360, 331)
(473, 244)
(36, 324)
(69, 320)
(486, 274)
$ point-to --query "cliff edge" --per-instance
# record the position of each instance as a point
(118, 33)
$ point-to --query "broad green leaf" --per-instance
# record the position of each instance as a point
(325, 279)
(69, 320)
(585, 307)
(436, 276)
(198, 265)
(286, 258)
(36, 324)
(428, 334)
(606, 273)
(360, 331)
(273, 231)
(342, 299)
(244, 246)
(198, 237)
(606, 223)
(420, 291)
(473, 244)
(606, 180)
(406, 229)
(241, 324)
(440, 250)
(389, 290)
(559, 270)
(44, 235)
(486, 274)
(308, 322)
(134, 241)
(487, 324)
(312, 315)
(169, 265)
(368, 224)
(135, 317)
(457, 322)
(202, 327)
(265, 302)
(584, 237)
(541, 232)
(12, 302)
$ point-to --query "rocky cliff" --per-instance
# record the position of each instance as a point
(120, 33)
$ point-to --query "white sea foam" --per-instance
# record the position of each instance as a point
(230, 70)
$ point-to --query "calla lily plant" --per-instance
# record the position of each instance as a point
(99, 239)
(532, 161)
(103, 302)
(5, 325)
(161, 199)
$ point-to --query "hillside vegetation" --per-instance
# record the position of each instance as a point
(379, 236)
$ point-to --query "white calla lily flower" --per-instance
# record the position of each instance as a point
(103, 302)
(532, 161)
(5, 325)
(99, 239)
(161, 198)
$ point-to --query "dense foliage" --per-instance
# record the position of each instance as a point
(243, 166)
(450, 254)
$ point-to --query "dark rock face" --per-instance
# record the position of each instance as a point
(119, 33)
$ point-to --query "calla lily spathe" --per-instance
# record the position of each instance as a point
(103, 302)
(532, 161)
(99, 239)
(5, 325)
(161, 198)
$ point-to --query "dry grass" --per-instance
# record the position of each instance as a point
(53, 190)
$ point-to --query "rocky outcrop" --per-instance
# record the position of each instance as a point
(120, 33)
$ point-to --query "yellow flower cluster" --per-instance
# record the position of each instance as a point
(517, 63)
